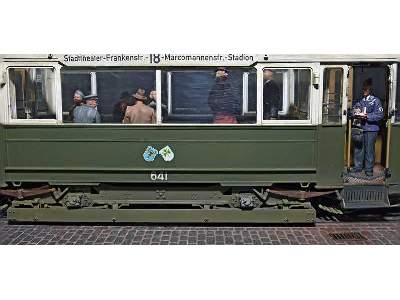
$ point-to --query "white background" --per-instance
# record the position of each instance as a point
(203, 272)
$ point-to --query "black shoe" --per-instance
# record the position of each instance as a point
(369, 174)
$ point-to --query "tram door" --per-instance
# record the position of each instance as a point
(393, 126)
(332, 132)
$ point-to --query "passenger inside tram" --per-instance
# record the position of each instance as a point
(139, 112)
(78, 100)
(120, 107)
(222, 100)
(87, 113)
(271, 96)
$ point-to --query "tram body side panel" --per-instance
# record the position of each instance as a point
(231, 155)
(3, 157)
(394, 161)
(331, 152)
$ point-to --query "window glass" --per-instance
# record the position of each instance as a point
(209, 96)
(286, 94)
(333, 96)
(109, 96)
(32, 93)
(72, 82)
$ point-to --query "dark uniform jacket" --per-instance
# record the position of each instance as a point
(271, 99)
(86, 114)
(221, 98)
(374, 110)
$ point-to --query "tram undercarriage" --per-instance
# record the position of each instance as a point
(186, 204)
(176, 204)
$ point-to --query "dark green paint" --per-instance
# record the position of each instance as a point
(216, 154)
(331, 143)
(394, 162)
(162, 215)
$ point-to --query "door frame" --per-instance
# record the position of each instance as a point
(345, 94)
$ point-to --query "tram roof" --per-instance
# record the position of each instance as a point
(194, 59)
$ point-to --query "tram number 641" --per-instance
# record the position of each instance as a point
(159, 176)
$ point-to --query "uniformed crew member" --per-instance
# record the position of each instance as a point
(139, 113)
(271, 96)
(222, 100)
(368, 111)
(87, 113)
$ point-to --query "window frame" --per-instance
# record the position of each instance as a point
(345, 96)
(94, 86)
(315, 112)
(56, 88)
(313, 100)
(393, 91)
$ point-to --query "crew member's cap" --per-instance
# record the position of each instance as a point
(91, 97)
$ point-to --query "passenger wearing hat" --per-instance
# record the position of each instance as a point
(139, 113)
(87, 113)
(120, 107)
(222, 100)
(77, 101)
(271, 96)
(367, 113)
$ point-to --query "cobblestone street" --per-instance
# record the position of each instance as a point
(321, 233)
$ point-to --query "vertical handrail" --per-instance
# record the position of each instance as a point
(389, 135)
(349, 144)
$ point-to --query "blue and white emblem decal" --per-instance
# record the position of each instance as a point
(167, 154)
(150, 154)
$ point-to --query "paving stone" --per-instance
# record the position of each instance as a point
(375, 233)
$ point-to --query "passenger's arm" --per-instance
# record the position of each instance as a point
(98, 117)
(126, 119)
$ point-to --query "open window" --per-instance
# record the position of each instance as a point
(32, 93)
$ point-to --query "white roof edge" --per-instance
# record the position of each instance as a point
(191, 59)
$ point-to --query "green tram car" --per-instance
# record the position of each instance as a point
(185, 167)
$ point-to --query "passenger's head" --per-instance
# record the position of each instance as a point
(140, 95)
(268, 74)
(78, 97)
(153, 95)
(91, 100)
(221, 72)
(125, 96)
(367, 87)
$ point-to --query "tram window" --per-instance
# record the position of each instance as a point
(32, 93)
(209, 96)
(333, 96)
(286, 94)
(116, 91)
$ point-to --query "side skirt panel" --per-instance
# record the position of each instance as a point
(222, 215)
